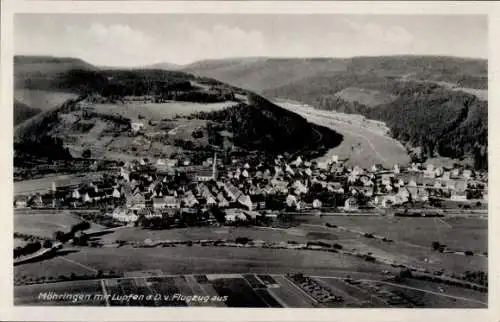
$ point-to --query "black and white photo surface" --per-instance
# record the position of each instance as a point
(250, 160)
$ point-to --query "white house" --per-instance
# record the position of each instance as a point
(159, 203)
(458, 196)
(291, 201)
(86, 197)
(75, 194)
(322, 165)
(21, 202)
(136, 126)
(246, 201)
(172, 202)
(116, 193)
(317, 204)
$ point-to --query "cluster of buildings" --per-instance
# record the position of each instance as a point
(242, 189)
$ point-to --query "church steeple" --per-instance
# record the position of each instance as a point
(214, 167)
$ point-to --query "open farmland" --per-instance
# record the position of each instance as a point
(158, 111)
(456, 233)
(365, 142)
(412, 239)
(44, 225)
(235, 290)
(230, 233)
(28, 295)
(196, 259)
(45, 184)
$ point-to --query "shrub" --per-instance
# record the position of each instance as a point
(435, 245)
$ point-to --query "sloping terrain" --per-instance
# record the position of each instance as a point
(428, 113)
(23, 112)
(258, 74)
(370, 98)
(426, 101)
(212, 115)
(32, 93)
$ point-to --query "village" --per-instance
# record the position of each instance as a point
(241, 192)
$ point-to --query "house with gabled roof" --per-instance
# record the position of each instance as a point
(136, 201)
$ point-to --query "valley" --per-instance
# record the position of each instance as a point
(280, 183)
(364, 143)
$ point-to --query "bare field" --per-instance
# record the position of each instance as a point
(365, 142)
(157, 111)
(201, 260)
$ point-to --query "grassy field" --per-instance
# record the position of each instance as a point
(43, 100)
(456, 233)
(158, 111)
(45, 184)
(28, 295)
(365, 142)
(45, 225)
(195, 259)
(193, 233)
(413, 238)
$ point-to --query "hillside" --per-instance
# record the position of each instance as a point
(259, 74)
(426, 101)
(32, 91)
(179, 114)
(423, 114)
(23, 112)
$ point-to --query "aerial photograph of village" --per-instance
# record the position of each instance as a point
(291, 161)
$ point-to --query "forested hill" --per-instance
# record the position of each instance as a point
(437, 103)
(443, 122)
(261, 74)
(253, 122)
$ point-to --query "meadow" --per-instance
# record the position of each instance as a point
(158, 111)
(196, 260)
(44, 184)
(45, 224)
(455, 232)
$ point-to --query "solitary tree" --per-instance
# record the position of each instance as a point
(47, 244)
(86, 154)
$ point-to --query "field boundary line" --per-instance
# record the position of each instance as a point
(300, 289)
(80, 264)
(104, 292)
